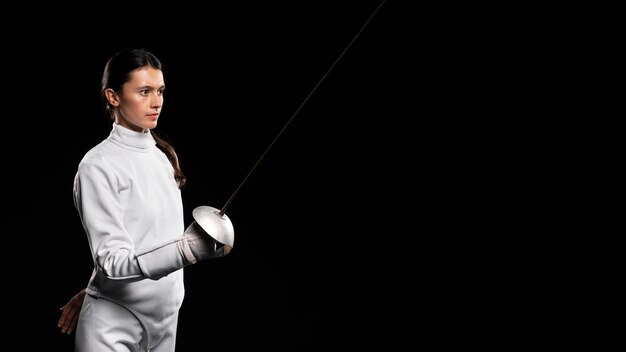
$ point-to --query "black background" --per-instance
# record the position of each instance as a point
(394, 210)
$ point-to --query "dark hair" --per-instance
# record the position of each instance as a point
(117, 72)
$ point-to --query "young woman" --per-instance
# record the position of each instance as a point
(127, 193)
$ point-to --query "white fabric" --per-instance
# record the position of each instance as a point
(95, 333)
(132, 212)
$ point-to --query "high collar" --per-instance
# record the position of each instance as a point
(132, 140)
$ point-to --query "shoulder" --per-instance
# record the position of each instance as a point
(100, 159)
(95, 154)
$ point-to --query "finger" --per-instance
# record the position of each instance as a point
(63, 324)
(71, 315)
(66, 317)
(72, 326)
(72, 322)
(61, 321)
(68, 324)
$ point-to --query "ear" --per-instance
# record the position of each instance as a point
(112, 97)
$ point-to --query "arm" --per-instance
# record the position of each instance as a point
(113, 249)
(197, 246)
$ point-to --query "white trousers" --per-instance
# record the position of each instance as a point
(107, 326)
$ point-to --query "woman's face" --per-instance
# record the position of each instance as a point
(139, 104)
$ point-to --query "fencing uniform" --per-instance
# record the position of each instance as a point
(131, 209)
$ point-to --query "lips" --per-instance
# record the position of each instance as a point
(153, 116)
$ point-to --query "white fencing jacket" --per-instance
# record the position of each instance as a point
(131, 209)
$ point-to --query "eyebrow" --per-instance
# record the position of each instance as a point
(151, 87)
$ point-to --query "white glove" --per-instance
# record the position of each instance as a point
(193, 246)
(197, 245)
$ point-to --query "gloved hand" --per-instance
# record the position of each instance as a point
(194, 245)
(197, 245)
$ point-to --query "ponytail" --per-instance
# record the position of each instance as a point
(169, 151)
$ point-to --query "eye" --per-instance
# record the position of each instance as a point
(143, 92)
(161, 91)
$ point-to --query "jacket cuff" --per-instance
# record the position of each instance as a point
(161, 261)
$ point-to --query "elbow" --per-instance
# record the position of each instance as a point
(120, 267)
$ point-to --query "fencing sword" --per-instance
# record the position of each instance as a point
(214, 221)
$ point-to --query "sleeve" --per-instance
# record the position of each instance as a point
(97, 200)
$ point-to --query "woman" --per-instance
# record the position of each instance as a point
(127, 193)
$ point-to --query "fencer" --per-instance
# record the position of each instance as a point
(133, 279)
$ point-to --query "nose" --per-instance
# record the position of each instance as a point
(157, 101)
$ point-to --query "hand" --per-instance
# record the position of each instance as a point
(70, 312)
(202, 245)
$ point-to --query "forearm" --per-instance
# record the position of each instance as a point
(164, 259)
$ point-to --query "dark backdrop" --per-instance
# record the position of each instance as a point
(393, 210)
